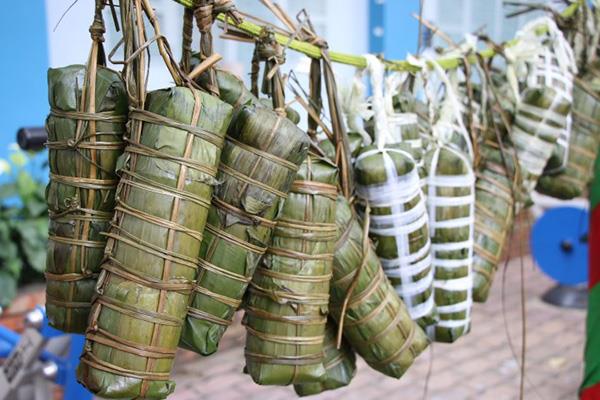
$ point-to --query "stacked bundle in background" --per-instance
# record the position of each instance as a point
(287, 302)
(542, 122)
(262, 154)
(154, 242)
(375, 321)
(584, 143)
(495, 185)
(85, 138)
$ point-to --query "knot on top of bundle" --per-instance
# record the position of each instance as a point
(208, 10)
(97, 29)
(268, 49)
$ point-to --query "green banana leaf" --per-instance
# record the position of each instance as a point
(407, 103)
(389, 182)
(290, 112)
(376, 322)
(583, 146)
(231, 88)
(152, 254)
(403, 130)
(259, 162)
(233, 91)
(355, 141)
(286, 305)
(494, 214)
(451, 203)
(540, 116)
(81, 191)
(340, 365)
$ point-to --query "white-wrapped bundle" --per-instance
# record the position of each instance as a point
(403, 127)
(450, 195)
(451, 206)
(388, 181)
(542, 124)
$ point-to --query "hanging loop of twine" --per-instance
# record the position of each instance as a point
(269, 51)
(97, 29)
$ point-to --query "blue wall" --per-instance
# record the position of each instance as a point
(399, 28)
(23, 87)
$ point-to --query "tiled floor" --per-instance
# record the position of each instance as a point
(479, 366)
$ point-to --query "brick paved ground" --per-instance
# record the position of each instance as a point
(479, 366)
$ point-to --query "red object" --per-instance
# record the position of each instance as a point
(590, 393)
(593, 240)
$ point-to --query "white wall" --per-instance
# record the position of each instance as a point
(457, 17)
(343, 22)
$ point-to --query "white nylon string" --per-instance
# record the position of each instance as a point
(377, 73)
(400, 224)
(450, 120)
(434, 201)
(554, 66)
(534, 140)
(356, 108)
(399, 123)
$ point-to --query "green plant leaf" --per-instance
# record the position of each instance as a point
(26, 185)
(8, 190)
(34, 239)
(8, 288)
(35, 207)
(18, 158)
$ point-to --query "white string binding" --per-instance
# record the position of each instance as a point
(395, 193)
(552, 66)
(451, 121)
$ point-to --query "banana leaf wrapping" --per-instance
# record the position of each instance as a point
(494, 214)
(151, 257)
(355, 141)
(584, 143)
(290, 113)
(286, 305)
(258, 165)
(403, 127)
(451, 205)
(376, 322)
(340, 365)
(548, 73)
(388, 180)
(407, 103)
(540, 119)
(233, 91)
(83, 151)
(231, 88)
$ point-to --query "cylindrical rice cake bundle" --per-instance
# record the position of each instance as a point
(340, 365)
(389, 182)
(151, 257)
(376, 322)
(451, 204)
(540, 118)
(494, 213)
(83, 146)
(583, 146)
(262, 154)
(287, 301)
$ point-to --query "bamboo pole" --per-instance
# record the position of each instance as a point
(359, 61)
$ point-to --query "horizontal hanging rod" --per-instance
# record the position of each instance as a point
(313, 51)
